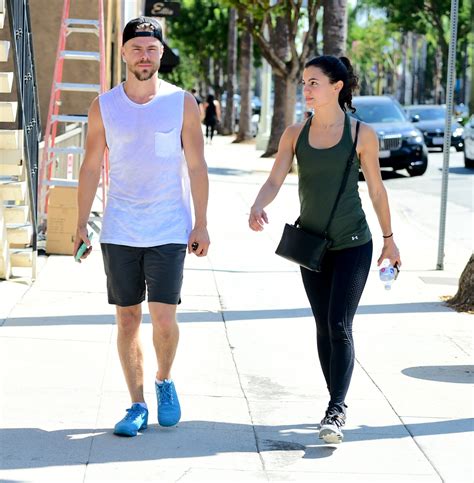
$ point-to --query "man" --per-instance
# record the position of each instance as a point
(146, 123)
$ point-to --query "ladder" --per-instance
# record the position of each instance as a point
(51, 152)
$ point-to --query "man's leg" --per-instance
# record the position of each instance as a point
(130, 349)
(165, 340)
(126, 290)
(164, 276)
(165, 337)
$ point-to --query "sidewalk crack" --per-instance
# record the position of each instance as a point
(401, 421)
(101, 392)
(231, 348)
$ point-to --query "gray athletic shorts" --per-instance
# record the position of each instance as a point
(131, 271)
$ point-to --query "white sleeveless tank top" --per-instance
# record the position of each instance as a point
(148, 201)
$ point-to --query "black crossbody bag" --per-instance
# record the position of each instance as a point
(308, 249)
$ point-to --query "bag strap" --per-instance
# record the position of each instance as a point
(343, 183)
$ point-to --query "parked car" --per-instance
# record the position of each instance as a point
(430, 121)
(401, 145)
(469, 143)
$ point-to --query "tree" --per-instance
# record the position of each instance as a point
(246, 60)
(463, 301)
(229, 117)
(374, 50)
(430, 17)
(335, 27)
(199, 33)
(276, 28)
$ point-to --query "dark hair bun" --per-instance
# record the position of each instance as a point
(347, 64)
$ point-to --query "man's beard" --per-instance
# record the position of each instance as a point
(146, 74)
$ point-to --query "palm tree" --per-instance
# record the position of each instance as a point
(246, 59)
(335, 27)
(281, 20)
(229, 117)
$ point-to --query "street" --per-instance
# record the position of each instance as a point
(419, 199)
(460, 189)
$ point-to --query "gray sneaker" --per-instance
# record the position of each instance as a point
(330, 430)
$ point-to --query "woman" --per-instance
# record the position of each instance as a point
(322, 145)
(212, 115)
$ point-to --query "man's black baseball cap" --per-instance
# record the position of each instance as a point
(142, 27)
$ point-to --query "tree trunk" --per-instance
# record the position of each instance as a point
(422, 71)
(246, 59)
(414, 68)
(464, 70)
(335, 27)
(403, 80)
(280, 101)
(229, 118)
(463, 301)
(279, 115)
(291, 85)
(438, 94)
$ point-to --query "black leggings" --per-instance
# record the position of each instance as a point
(334, 295)
(210, 126)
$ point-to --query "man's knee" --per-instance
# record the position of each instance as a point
(129, 318)
(163, 317)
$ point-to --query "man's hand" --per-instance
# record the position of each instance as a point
(199, 242)
(82, 236)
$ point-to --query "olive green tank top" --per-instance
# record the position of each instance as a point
(320, 173)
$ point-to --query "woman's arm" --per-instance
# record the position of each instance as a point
(280, 169)
(369, 157)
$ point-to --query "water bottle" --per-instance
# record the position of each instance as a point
(388, 273)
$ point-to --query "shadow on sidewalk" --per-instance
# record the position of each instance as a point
(228, 315)
(228, 171)
(456, 374)
(37, 448)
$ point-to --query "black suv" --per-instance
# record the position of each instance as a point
(430, 121)
(401, 145)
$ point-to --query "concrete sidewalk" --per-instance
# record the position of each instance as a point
(247, 372)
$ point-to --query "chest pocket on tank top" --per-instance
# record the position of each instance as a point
(167, 143)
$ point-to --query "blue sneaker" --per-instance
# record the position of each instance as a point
(169, 410)
(135, 420)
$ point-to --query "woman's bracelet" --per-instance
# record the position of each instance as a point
(388, 236)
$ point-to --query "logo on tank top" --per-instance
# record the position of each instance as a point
(355, 237)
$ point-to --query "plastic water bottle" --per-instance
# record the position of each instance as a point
(387, 274)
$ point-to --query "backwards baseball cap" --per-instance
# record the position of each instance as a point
(142, 27)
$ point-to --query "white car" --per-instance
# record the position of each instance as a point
(469, 143)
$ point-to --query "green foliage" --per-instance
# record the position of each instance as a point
(199, 33)
(430, 17)
(373, 48)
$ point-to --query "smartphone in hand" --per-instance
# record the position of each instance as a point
(82, 248)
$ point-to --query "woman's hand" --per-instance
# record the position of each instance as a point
(390, 252)
(257, 218)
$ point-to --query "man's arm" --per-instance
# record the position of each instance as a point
(193, 144)
(89, 174)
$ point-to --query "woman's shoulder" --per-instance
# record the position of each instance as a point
(366, 132)
(295, 129)
(293, 132)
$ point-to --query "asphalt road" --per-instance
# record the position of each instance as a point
(419, 198)
(460, 180)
